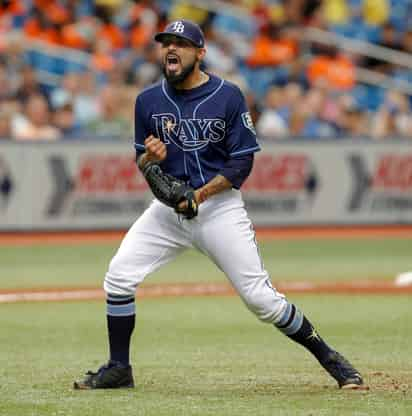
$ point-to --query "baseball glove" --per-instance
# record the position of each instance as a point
(170, 190)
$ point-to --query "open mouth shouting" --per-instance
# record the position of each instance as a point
(172, 62)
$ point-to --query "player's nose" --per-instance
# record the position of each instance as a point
(172, 46)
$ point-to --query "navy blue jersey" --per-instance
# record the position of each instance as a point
(203, 127)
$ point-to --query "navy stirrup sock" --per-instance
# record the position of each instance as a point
(120, 325)
(295, 325)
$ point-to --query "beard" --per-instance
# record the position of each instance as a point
(176, 79)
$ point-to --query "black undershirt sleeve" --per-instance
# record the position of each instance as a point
(237, 170)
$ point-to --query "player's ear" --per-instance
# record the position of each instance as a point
(201, 52)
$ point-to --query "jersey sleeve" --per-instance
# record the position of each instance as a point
(240, 132)
(236, 170)
(140, 126)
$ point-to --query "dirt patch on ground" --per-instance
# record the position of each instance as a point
(380, 380)
(81, 237)
(203, 289)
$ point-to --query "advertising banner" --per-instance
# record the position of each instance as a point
(75, 186)
(340, 182)
(96, 185)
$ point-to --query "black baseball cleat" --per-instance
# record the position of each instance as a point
(112, 375)
(342, 371)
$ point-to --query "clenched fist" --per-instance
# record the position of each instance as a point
(155, 149)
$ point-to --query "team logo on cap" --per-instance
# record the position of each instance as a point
(178, 27)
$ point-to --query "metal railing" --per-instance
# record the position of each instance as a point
(74, 55)
(358, 46)
(50, 52)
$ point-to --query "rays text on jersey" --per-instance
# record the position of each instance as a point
(189, 134)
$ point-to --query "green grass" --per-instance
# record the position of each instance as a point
(85, 265)
(206, 356)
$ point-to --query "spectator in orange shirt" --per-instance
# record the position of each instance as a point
(143, 20)
(112, 34)
(72, 38)
(140, 35)
(272, 47)
(14, 7)
(40, 26)
(108, 31)
(102, 59)
(331, 70)
(57, 14)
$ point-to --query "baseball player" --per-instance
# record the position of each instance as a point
(195, 142)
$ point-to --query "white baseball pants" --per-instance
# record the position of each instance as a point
(222, 231)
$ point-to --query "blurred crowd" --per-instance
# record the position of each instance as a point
(293, 87)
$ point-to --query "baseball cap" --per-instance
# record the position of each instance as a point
(183, 29)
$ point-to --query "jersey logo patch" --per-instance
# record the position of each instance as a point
(247, 122)
(189, 134)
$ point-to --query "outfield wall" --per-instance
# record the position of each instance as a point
(96, 185)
